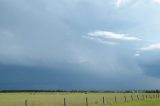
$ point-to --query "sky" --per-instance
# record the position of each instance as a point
(79, 44)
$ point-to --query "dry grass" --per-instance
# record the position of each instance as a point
(72, 99)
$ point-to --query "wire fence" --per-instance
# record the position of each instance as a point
(83, 101)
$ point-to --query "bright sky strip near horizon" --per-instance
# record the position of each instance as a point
(80, 44)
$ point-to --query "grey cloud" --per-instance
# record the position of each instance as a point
(46, 36)
(149, 62)
(151, 69)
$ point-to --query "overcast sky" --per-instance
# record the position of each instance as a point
(80, 44)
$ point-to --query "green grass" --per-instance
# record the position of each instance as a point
(76, 99)
(153, 102)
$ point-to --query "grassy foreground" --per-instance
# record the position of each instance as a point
(152, 102)
(79, 99)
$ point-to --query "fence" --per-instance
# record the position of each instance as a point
(86, 100)
(116, 98)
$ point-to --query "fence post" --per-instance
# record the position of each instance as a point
(115, 99)
(143, 97)
(65, 102)
(137, 97)
(26, 102)
(146, 96)
(125, 98)
(86, 101)
(131, 97)
(103, 100)
(150, 96)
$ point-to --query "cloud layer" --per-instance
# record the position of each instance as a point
(112, 35)
(44, 39)
(120, 3)
(151, 47)
(157, 1)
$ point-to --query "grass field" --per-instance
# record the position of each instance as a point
(153, 102)
(79, 99)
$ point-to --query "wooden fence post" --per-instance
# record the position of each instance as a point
(115, 99)
(131, 97)
(146, 96)
(86, 101)
(65, 102)
(137, 97)
(143, 97)
(103, 100)
(125, 98)
(26, 102)
(150, 96)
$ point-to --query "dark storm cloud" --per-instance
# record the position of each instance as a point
(22, 77)
(152, 69)
(149, 62)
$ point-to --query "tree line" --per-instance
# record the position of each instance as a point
(82, 91)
